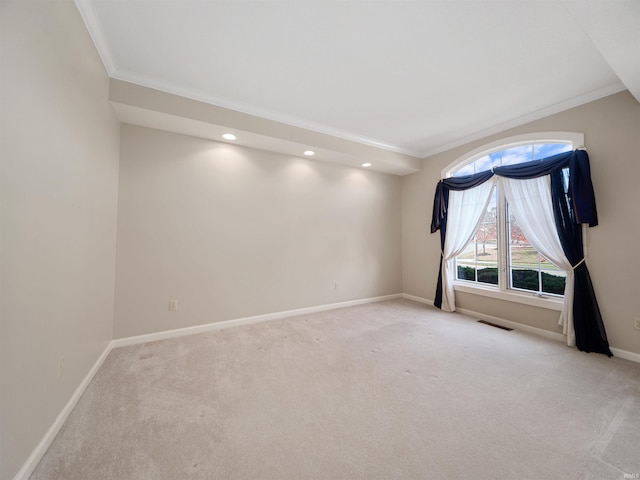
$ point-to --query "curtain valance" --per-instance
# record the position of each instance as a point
(580, 186)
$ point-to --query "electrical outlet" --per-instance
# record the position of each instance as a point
(60, 362)
(636, 323)
(173, 305)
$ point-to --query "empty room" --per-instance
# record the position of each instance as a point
(320, 240)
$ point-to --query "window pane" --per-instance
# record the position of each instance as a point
(528, 270)
(466, 170)
(487, 162)
(487, 239)
(544, 150)
(479, 260)
(523, 259)
(466, 263)
(516, 155)
(553, 279)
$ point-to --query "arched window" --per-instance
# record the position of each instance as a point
(552, 200)
(499, 261)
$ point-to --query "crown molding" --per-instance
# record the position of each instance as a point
(530, 117)
(94, 27)
(296, 122)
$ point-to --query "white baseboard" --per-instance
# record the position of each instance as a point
(498, 321)
(417, 299)
(181, 332)
(515, 325)
(32, 462)
(617, 352)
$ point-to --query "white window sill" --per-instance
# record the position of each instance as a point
(550, 302)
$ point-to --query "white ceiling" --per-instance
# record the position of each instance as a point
(411, 77)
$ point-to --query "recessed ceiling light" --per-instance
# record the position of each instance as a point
(309, 153)
(367, 164)
(229, 136)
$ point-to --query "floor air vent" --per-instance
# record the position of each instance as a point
(494, 325)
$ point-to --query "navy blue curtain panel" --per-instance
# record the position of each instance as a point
(587, 319)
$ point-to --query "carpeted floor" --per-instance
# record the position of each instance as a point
(386, 390)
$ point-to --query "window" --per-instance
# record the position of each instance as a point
(499, 261)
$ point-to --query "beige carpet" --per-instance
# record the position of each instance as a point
(380, 391)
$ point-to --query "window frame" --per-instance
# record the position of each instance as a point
(502, 290)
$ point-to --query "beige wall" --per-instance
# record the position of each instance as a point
(58, 216)
(612, 136)
(232, 232)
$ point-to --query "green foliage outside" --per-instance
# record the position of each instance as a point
(524, 279)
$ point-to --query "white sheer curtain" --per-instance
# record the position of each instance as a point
(530, 202)
(465, 211)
